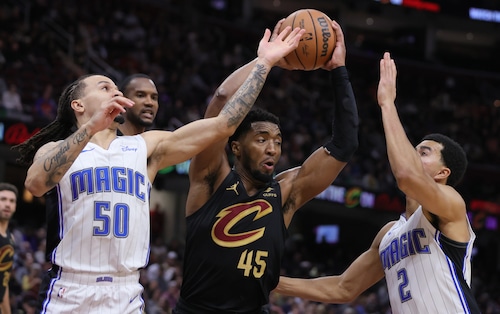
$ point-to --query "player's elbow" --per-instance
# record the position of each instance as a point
(344, 296)
(223, 128)
(334, 291)
(34, 187)
(221, 95)
(35, 183)
(405, 178)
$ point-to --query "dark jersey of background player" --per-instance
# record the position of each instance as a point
(237, 218)
(8, 202)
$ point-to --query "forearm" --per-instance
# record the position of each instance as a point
(242, 101)
(401, 153)
(227, 89)
(5, 306)
(344, 141)
(50, 165)
(324, 289)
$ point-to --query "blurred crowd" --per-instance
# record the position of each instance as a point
(44, 44)
(162, 277)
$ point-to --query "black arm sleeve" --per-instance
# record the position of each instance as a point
(344, 141)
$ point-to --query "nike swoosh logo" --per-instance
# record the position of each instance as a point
(88, 150)
(132, 300)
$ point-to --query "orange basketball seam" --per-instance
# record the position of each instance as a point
(295, 51)
(315, 37)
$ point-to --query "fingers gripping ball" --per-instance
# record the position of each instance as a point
(316, 45)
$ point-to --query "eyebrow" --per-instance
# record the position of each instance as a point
(105, 82)
(267, 132)
(424, 147)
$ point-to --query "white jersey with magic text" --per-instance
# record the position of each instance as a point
(98, 219)
(425, 271)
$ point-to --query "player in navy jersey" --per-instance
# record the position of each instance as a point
(237, 218)
(97, 185)
(8, 203)
(141, 89)
(425, 255)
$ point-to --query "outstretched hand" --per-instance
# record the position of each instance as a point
(282, 63)
(285, 42)
(339, 52)
(386, 92)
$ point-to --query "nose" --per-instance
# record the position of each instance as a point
(271, 148)
(149, 101)
(118, 92)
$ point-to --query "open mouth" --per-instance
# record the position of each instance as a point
(269, 165)
(148, 114)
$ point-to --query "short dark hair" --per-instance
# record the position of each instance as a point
(452, 155)
(255, 115)
(123, 84)
(4, 186)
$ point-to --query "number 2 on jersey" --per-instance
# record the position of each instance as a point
(119, 220)
(247, 265)
(405, 295)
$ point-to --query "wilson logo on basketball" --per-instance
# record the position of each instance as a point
(230, 216)
(325, 32)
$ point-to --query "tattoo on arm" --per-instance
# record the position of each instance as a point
(241, 103)
(56, 164)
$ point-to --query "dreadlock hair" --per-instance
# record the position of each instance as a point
(63, 126)
(123, 85)
(452, 155)
(255, 115)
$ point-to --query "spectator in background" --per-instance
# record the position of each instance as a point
(11, 99)
(8, 202)
(45, 106)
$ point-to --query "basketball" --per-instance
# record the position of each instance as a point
(316, 45)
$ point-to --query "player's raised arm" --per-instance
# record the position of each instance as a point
(407, 163)
(324, 165)
(194, 137)
(231, 84)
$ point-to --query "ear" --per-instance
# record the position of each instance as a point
(443, 174)
(235, 148)
(77, 106)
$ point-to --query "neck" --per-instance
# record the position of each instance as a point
(411, 206)
(251, 184)
(4, 225)
(104, 138)
(130, 129)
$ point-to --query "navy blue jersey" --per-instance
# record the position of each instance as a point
(234, 248)
(6, 261)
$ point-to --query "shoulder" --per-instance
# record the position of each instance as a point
(286, 178)
(382, 232)
(153, 137)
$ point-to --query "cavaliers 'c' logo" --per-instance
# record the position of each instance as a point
(230, 216)
(6, 251)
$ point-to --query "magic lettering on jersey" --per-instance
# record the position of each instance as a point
(407, 244)
(107, 179)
